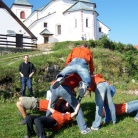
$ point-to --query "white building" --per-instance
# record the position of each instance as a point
(61, 20)
(13, 33)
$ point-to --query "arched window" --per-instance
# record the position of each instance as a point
(22, 15)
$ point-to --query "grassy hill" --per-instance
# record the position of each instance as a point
(118, 64)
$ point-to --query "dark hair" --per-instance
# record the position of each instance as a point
(64, 109)
(84, 44)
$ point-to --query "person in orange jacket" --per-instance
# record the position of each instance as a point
(55, 121)
(77, 62)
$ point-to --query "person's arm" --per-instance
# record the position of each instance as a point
(33, 71)
(91, 65)
(68, 60)
(20, 69)
(49, 107)
(76, 110)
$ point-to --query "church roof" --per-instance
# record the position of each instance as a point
(3, 5)
(85, 0)
(22, 2)
(81, 5)
(46, 32)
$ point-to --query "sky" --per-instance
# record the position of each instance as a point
(121, 16)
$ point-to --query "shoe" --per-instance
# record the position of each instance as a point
(26, 136)
(87, 130)
(136, 119)
(58, 82)
(42, 136)
(32, 135)
(23, 122)
(92, 128)
(82, 89)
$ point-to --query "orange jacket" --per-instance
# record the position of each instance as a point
(81, 52)
(43, 104)
(61, 119)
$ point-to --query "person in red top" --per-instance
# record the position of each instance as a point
(65, 91)
(77, 62)
(55, 121)
(102, 95)
(121, 109)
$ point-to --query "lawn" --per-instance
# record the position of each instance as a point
(125, 127)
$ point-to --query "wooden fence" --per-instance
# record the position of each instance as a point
(17, 41)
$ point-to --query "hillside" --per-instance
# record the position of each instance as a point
(119, 67)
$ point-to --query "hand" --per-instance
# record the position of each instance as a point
(21, 75)
(30, 75)
(79, 98)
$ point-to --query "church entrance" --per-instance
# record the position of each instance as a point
(45, 39)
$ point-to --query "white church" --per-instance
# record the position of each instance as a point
(61, 20)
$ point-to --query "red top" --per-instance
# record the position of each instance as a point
(95, 80)
(120, 108)
(61, 119)
(72, 81)
(43, 104)
(81, 52)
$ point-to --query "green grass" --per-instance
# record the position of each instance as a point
(125, 127)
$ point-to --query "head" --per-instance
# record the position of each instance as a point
(26, 58)
(83, 45)
(63, 108)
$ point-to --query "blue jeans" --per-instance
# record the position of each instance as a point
(132, 106)
(80, 66)
(103, 94)
(26, 81)
(66, 93)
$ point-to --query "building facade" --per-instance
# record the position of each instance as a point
(61, 20)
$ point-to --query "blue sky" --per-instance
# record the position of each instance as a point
(121, 16)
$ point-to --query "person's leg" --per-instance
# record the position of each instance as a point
(29, 85)
(110, 103)
(66, 94)
(26, 103)
(131, 107)
(21, 109)
(29, 122)
(23, 82)
(99, 97)
(54, 97)
(43, 122)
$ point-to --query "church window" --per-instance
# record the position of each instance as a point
(87, 23)
(22, 15)
(58, 29)
(100, 29)
(45, 24)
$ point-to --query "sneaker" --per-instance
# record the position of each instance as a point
(32, 135)
(87, 130)
(26, 136)
(94, 128)
(58, 82)
(23, 122)
(82, 89)
(136, 119)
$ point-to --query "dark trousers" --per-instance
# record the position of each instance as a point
(40, 123)
(26, 81)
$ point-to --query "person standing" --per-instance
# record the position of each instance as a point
(26, 71)
(103, 95)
